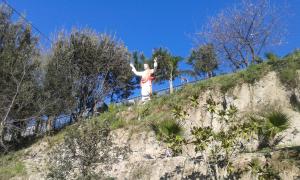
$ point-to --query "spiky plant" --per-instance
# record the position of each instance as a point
(254, 166)
(273, 123)
(170, 127)
(170, 132)
(277, 122)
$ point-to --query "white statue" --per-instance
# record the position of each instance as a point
(146, 81)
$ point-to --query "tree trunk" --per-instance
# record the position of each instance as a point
(50, 123)
(2, 133)
(171, 83)
(14, 98)
(171, 86)
(37, 127)
(252, 54)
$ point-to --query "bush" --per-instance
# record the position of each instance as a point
(84, 147)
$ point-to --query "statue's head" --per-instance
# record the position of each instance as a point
(146, 66)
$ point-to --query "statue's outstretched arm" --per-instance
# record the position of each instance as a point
(135, 71)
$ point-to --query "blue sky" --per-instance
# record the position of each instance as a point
(142, 25)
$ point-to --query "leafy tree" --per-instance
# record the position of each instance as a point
(168, 66)
(139, 59)
(240, 34)
(19, 77)
(204, 60)
(83, 69)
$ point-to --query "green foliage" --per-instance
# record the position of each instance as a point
(20, 90)
(167, 128)
(262, 171)
(277, 122)
(223, 145)
(232, 111)
(15, 169)
(204, 60)
(194, 99)
(178, 112)
(287, 69)
(203, 136)
(170, 132)
(88, 144)
(139, 59)
(269, 126)
(119, 123)
(168, 66)
(175, 143)
(271, 57)
(211, 104)
(163, 106)
(254, 166)
(84, 68)
(253, 73)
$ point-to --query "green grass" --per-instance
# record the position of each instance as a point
(160, 108)
(158, 112)
(287, 69)
(11, 165)
(118, 124)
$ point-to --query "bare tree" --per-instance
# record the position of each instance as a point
(242, 32)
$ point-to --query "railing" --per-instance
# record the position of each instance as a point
(160, 92)
(63, 120)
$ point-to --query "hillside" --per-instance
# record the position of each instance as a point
(220, 127)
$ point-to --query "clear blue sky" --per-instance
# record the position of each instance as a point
(142, 25)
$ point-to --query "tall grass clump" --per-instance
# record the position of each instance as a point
(170, 132)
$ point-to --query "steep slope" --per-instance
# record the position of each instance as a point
(257, 90)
